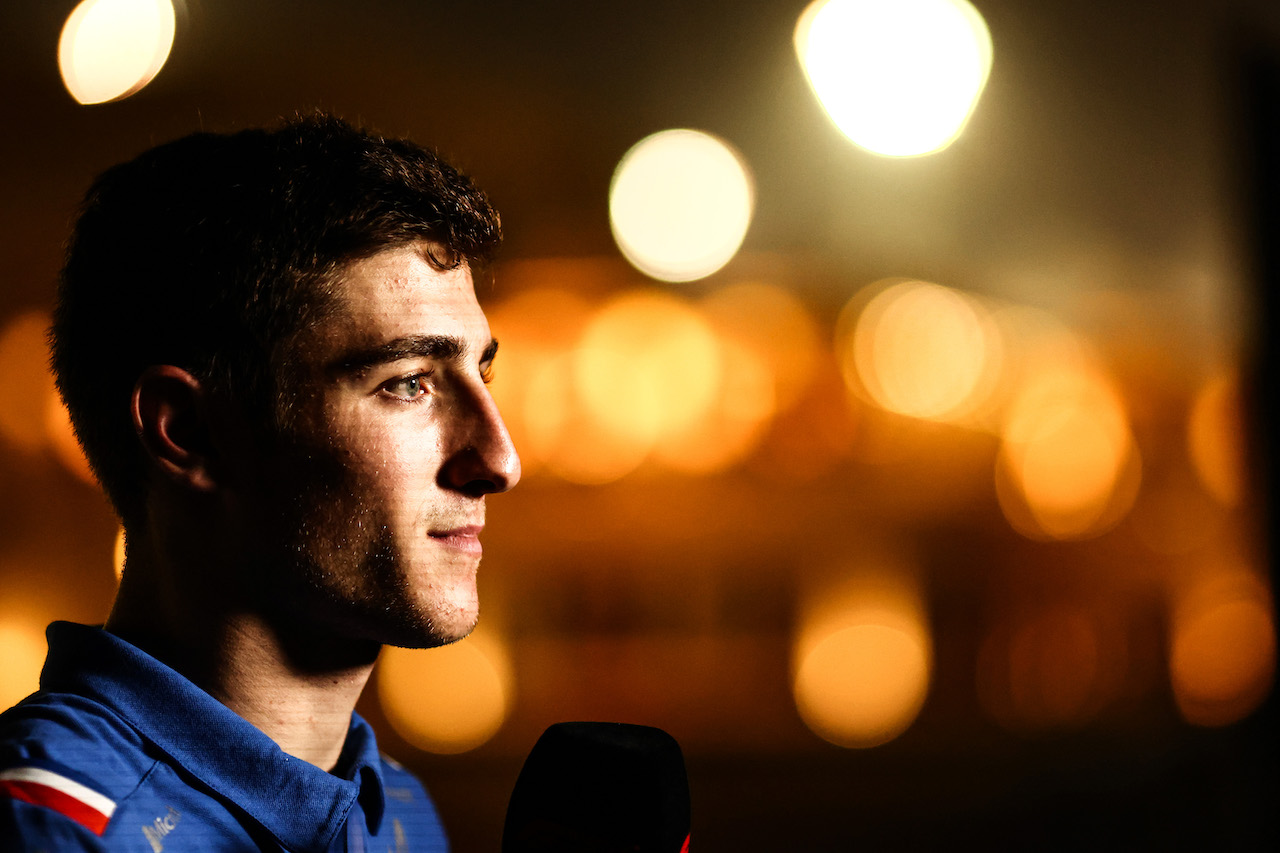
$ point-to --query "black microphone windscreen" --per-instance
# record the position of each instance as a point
(600, 787)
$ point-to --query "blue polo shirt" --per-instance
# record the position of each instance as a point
(118, 752)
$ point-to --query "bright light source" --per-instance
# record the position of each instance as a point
(680, 204)
(110, 49)
(898, 77)
(446, 700)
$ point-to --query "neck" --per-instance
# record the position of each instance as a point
(305, 708)
(299, 690)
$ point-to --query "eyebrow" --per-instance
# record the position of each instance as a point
(410, 346)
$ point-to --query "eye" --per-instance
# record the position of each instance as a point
(486, 372)
(408, 388)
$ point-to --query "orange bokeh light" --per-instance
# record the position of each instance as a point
(25, 381)
(920, 349)
(450, 699)
(1222, 646)
(22, 640)
(32, 416)
(1216, 437)
(561, 432)
(647, 365)
(863, 660)
(774, 324)
(536, 330)
(62, 439)
(590, 393)
(1068, 466)
(728, 432)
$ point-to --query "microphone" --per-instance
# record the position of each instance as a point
(600, 788)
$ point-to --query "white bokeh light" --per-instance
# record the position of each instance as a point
(109, 49)
(898, 77)
(680, 204)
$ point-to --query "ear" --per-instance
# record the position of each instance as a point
(171, 417)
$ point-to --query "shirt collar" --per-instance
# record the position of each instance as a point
(301, 805)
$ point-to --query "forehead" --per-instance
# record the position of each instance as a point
(398, 293)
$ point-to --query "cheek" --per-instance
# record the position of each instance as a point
(397, 463)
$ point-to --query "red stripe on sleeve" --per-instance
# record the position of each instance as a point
(64, 804)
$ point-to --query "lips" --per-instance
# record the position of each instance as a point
(466, 538)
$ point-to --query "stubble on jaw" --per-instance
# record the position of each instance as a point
(329, 564)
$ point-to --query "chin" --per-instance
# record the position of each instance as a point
(427, 632)
(445, 630)
(450, 618)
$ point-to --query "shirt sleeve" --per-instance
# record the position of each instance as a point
(29, 828)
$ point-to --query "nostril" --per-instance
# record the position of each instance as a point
(480, 488)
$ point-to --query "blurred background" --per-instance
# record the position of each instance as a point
(915, 478)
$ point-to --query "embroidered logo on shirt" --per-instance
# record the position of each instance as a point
(160, 827)
(68, 797)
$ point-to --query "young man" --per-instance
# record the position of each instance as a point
(273, 356)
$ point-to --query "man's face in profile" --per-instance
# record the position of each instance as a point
(379, 498)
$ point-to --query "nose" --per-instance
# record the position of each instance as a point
(484, 460)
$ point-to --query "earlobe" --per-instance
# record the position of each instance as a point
(169, 409)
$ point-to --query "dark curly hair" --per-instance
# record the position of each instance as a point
(214, 251)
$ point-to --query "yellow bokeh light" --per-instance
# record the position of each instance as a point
(680, 204)
(898, 77)
(1222, 647)
(446, 700)
(922, 350)
(22, 650)
(1216, 438)
(110, 49)
(1066, 453)
(648, 365)
(863, 662)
